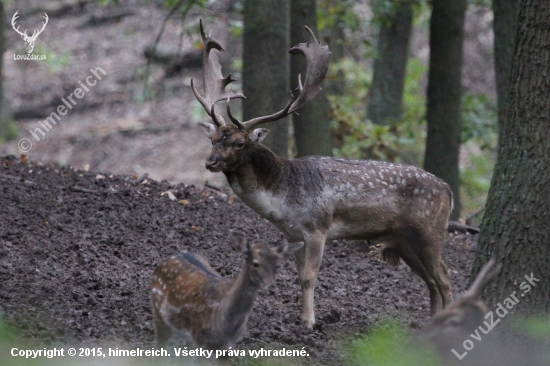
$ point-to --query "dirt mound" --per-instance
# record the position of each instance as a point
(77, 250)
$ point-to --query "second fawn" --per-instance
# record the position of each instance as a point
(193, 301)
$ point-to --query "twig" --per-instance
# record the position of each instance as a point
(461, 228)
(211, 186)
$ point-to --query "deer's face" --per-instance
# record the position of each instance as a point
(263, 264)
(262, 260)
(454, 323)
(231, 147)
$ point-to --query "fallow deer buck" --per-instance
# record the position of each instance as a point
(314, 199)
(193, 301)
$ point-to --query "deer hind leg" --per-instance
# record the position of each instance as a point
(162, 330)
(426, 249)
(445, 276)
(419, 256)
(308, 260)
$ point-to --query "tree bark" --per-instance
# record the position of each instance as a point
(5, 121)
(515, 228)
(504, 26)
(312, 124)
(266, 66)
(444, 94)
(390, 65)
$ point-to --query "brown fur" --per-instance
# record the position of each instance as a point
(314, 198)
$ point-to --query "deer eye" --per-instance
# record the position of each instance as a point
(256, 264)
(240, 145)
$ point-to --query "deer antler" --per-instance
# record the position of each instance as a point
(36, 32)
(13, 19)
(482, 279)
(214, 83)
(316, 55)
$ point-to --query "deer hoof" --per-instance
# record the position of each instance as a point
(308, 323)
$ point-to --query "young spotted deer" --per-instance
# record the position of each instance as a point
(191, 300)
(314, 199)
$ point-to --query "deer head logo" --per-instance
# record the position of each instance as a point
(29, 40)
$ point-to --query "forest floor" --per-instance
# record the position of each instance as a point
(78, 248)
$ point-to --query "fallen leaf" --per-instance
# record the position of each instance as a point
(231, 199)
(184, 202)
(195, 228)
(169, 194)
(99, 176)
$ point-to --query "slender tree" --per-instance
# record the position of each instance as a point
(266, 66)
(390, 64)
(7, 127)
(312, 123)
(515, 228)
(504, 25)
(444, 94)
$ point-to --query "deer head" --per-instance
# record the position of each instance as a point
(464, 315)
(231, 144)
(29, 40)
(261, 260)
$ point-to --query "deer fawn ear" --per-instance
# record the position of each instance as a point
(287, 250)
(238, 241)
(259, 134)
(208, 128)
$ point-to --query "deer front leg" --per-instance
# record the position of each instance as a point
(308, 260)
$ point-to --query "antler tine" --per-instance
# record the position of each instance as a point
(13, 20)
(235, 121)
(273, 117)
(482, 279)
(46, 18)
(317, 56)
(214, 83)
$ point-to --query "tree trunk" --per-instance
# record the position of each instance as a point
(515, 228)
(312, 124)
(266, 67)
(7, 129)
(444, 94)
(505, 26)
(390, 65)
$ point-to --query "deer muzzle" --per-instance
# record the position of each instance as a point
(213, 163)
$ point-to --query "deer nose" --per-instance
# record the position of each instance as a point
(212, 162)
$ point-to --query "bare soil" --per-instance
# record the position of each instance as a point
(77, 250)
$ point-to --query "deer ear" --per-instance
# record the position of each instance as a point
(208, 128)
(259, 134)
(238, 241)
(287, 250)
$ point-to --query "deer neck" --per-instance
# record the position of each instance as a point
(264, 172)
(238, 304)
